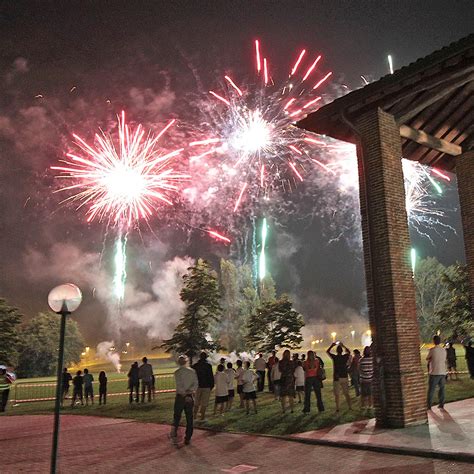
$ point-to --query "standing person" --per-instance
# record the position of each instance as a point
(437, 372)
(145, 374)
(230, 371)
(303, 358)
(249, 377)
(186, 385)
(354, 371)
(133, 382)
(312, 369)
(276, 378)
(77, 384)
(65, 384)
(287, 380)
(206, 384)
(366, 374)
(102, 388)
(340, 362)
(153, 388)
(299, 380)
(470, 358)
(270, 364)
(221, 381)
(240, 383)
(88, 389)
(451, 359)
(260, 365)
(5, 383)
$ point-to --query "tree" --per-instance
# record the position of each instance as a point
(431, 292)
(10, 318)
(201, 295)
(455, 317)
(39, 340)
(275, 324)
(230, 327)
(267, 289)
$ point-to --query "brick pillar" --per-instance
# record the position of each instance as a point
(400, 396)
(465, 176)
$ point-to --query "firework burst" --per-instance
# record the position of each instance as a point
(121, 181)
(252, 129)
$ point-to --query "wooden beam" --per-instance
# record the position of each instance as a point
(422, 138)
(429, 98)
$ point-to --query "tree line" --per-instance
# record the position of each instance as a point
(227, 311)
(31, 346)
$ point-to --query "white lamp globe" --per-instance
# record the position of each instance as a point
(65, 297)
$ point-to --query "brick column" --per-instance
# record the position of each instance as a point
(400, 396)
(465, 176)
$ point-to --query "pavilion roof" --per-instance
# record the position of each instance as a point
(434, 95)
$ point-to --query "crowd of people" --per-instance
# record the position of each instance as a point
(291, 378)
(83, 385)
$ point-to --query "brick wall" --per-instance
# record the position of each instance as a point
(400, 394)
(465, 176)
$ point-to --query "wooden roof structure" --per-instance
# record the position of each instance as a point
(431, 99)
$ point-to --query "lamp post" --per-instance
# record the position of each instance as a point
(63, 300)
(333, 335)
(353, 336)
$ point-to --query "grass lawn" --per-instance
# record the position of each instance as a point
(269, 419)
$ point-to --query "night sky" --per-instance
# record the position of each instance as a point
(71, 66)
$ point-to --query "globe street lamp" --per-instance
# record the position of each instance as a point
(63, 300)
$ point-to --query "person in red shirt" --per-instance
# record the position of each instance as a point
(312, 371)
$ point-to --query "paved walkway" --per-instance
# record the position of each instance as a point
(449, 432)
(105, 445)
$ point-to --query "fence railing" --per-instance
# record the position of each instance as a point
(27, 392)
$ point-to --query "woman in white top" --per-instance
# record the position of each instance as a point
(230, 372)
(240, 384)
(250, 392)
(221, 381)
(299, 380)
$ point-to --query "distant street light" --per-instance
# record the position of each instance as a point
(353, 335)
(63, 300)
(333, 335)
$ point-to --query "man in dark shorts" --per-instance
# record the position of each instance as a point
(77, 384)
(65, 383)
(240, 384)
(340, 362)
(88, 389)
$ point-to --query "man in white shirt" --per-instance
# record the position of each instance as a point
(145, 374)
(186, 384)
(260, 365)
(437, 372)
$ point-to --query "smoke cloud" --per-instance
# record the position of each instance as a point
(105, 350)
(154, 306)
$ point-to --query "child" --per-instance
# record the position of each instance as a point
(240, 383)
(354, 371)
(250, 392)
(88, 390)
(102, 388)
(299, 380)
(222, 389)
(230, 372)
(276, 376)
(77, 383)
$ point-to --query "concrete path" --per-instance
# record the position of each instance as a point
(449, 433)
(105, 445)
